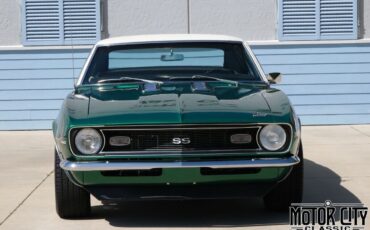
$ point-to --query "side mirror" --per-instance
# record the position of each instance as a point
(274, 78)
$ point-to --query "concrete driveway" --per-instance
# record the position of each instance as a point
(337, 160)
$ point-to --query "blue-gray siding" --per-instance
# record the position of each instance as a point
(33, 84)
(328, 84)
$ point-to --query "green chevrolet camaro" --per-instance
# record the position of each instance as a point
(175, 117)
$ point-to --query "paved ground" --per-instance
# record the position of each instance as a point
(337, 168)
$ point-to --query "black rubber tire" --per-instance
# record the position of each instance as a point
(71, 200)
(288, 191)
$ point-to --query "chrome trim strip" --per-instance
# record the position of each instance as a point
(256, 62)
(177, 152)
(183, 128)
(210, 125)
(110, 166)
(86, 66)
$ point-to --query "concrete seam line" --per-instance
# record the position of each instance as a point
(26, 198)
(360, 131)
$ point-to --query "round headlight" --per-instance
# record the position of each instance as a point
(88, 141)
(272, 137)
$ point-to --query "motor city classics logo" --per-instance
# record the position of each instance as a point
(327, 216)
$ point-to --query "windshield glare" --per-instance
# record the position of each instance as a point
(171, 60)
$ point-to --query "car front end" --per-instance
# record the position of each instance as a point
(176, 137)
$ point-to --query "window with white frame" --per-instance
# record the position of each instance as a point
(317, 19)
(60, 22)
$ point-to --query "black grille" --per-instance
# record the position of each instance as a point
(200, 139)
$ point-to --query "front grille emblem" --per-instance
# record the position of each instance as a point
(181, 141)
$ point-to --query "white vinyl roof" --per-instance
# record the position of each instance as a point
(166, 38)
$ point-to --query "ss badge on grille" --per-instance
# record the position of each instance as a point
(179, 141)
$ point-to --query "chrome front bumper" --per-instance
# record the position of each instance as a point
(110, 166)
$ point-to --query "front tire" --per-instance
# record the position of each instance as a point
(290, 190)
(71, 200)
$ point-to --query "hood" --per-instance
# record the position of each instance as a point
(181, 104)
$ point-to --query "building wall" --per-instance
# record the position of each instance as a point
(364, 18)
(10, 22)
(145, 17)
(327, 84)
(33, 84)
(250, 20)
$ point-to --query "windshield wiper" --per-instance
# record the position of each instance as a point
(200, 77)
(214, 78)
(128, 79)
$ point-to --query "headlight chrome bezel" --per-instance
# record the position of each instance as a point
(92, 132)
(277, 128)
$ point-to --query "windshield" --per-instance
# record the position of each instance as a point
(166, 61)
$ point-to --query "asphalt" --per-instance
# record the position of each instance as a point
(337, 168)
